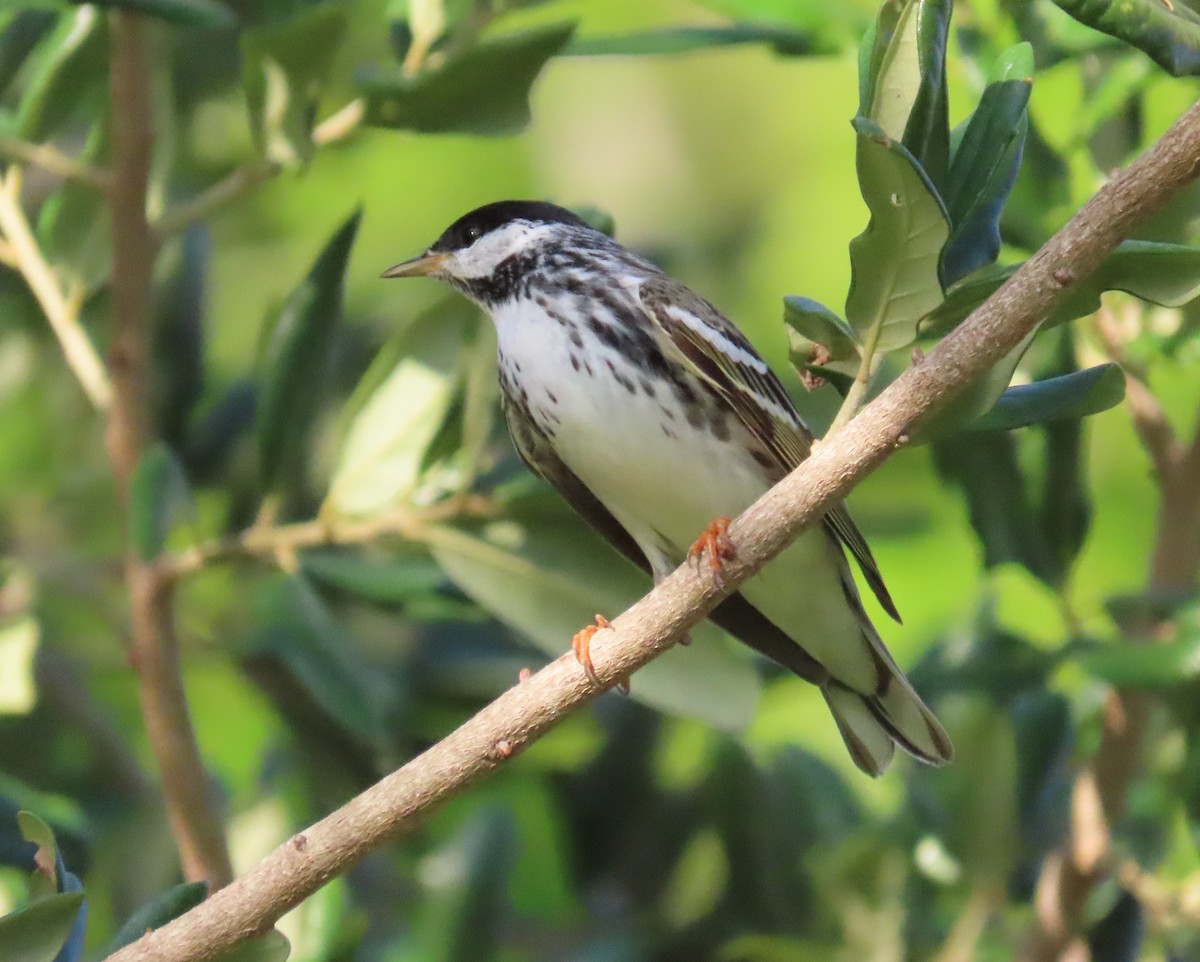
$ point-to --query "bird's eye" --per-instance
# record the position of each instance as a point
(473, 234)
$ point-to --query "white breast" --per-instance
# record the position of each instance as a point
(624, 434)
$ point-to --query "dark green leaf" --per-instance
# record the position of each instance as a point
(1044, 740)
(285, 67)
(1068, 396)
(188, 13)
(927, 132)
(670, 40)
(894, 262)
(68, 80)
(179, 337)
(985, 165)
(21, 34)
(158, 495)
(1169, 33)
(1166, 274)
(298, 629)
(407, 579)
(1040, 200)
(1118, 937)
(38, 932)
(1144, 665)
(295, 361)
(999, 504)
(483, 90)
(158, 912)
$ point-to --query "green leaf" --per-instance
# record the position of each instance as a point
(295, 361)
(1139, 665)
(409, 392)
(68, 79)
(483, 90)
(405, 577)
(158, 496)
(820, 344)
(272, 947)
(187, 13)
(1044, 738)
(1165, 274)
(999, 502)
(985, 165)
(895, 67)
(672, 40)
(285, 67)
(927, 132)
(1169, 33)
(894, 262)
(178, 344)
(19, 640)
(158, 912)
(38, 932)
(298, 629)
(1068, 396)
(545, 574)
(19, 38)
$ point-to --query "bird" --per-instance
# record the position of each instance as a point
(654, 417)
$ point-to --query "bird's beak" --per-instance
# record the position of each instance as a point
(420, 266)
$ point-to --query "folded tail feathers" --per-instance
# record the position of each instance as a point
(872, 725)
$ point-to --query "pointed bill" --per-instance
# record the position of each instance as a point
(422, 265)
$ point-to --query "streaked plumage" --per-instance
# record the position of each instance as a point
(651, 414)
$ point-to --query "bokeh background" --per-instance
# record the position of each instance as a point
(734, 827)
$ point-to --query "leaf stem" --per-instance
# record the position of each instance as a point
(61, 309)
(862, 380)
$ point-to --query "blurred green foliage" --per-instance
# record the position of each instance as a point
(714, 814)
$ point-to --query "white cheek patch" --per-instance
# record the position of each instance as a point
(483, 257)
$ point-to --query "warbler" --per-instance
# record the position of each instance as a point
(656, 420)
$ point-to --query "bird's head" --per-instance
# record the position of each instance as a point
(490, 252)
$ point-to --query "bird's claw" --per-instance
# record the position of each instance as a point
(581, 645)
(714, 542)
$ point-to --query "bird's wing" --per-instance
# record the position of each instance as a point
(722, 355)
(735, 614)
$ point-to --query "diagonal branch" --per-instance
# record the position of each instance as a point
(287, 876)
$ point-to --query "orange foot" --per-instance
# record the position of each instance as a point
(713, 541)
(581, 645)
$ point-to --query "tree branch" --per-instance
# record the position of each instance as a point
(61, 310)
(52, 160)
(195, 825)
(252, 903)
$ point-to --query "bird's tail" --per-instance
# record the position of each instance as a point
(872, 725)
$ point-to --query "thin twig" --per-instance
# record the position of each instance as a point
(61, 311)
(267, 541)
(501, 731)
(244, 180)
(53, 160)
(195, 824)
